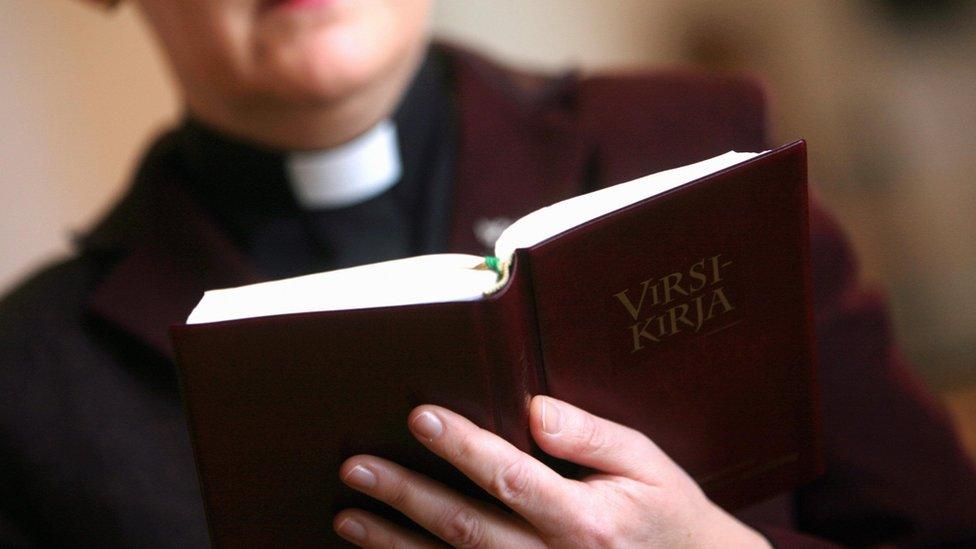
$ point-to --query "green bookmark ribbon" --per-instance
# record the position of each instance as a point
(493, 264)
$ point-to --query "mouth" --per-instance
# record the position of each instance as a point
(294, 5)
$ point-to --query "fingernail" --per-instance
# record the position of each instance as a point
(427, 425)
(550, 417)
(352, 529)
(361, 477)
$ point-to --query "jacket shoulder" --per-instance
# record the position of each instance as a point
(634, 122)
(45, 312)
(647, 121)
(675, 91)
(50, 294)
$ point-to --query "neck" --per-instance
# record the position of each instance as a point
(288, 126)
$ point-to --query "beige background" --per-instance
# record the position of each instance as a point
(888, 111)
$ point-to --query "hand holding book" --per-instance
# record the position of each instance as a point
(638, 496)
(676, 304)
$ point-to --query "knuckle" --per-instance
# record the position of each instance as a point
(591, 437)
(463, 450)
(642, 441)
(462, 527)
(397, 543)
(399, 494)
(512, 483)
(595, 533)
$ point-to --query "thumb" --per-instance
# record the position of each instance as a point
(567, 432)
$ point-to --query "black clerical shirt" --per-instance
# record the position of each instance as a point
(246, 188)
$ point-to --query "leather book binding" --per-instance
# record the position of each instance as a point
(686, 316)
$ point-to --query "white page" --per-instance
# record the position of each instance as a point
(441, 277)
(562, 216)
(422, 279)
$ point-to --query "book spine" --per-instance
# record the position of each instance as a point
(514, 356)
(816, 464)
(177, 334)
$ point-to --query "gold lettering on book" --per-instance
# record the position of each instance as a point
(684, 300)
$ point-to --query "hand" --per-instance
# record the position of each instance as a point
(637, 497)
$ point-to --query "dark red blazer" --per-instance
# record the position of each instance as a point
(92, 441)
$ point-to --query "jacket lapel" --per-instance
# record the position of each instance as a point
(170, 254)
(520, 147)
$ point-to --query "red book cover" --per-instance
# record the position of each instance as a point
(685, 315)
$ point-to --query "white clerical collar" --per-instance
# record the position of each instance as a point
(348, 174)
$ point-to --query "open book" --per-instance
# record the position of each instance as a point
(677, 304)
(442, 277)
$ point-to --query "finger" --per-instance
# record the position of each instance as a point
(518, 480)
(368, 530)
(456, 519)
(567, 432)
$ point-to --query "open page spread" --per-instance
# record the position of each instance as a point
(552, 220)
(441, 277)
(422, 279)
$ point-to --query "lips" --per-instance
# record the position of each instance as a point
(294, 4)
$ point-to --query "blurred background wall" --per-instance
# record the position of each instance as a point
(883, 90)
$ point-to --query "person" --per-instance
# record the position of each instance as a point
(325, 133)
